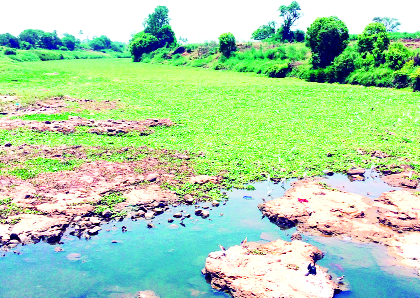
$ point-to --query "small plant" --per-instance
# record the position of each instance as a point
(292, 266)
(108, 202)
(326, 186)
(258, 252)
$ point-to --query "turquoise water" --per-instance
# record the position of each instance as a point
(168, 259)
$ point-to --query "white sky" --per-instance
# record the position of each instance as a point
(196, 20)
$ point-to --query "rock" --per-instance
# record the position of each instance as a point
(296, 236)
(8, 145)
(158, 210)
(205, 214)
(170, 220)
(204, 179)
(95, 221)
(177, 215)
(152, 177)
(198, 212)
(189, 199)
(94, 231)
(275, 269)
(106, 213)
(147, 294)
(356, 171)
(215, 203)
(149, 215)
(58, 249)
(150, 225)
(187, 215)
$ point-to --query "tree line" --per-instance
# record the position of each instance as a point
(39, 39)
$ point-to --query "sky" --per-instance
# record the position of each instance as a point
(198, 21)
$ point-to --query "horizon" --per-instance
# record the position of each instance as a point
(187, 18)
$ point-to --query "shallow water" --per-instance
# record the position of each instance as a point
(169, 259)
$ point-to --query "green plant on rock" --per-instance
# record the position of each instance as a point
(416, 79)
(227, 44)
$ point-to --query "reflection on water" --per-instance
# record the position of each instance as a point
(169, 258)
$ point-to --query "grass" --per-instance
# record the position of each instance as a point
(246, 124)
(108, 202)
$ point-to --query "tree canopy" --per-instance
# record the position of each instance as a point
(391, 24)
(264, 31)
(156, 20)
(327, 38)
(290, 14)
(374, 40)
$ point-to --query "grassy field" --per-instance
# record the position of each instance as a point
(246, 124)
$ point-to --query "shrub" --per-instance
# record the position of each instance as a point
(24, 45)
(344, 64)
(380, 77)
(415, 77)
(63, 48)
(219, 66)
(397, 55)
(278, 71)
(401, 78)
(299, 35)
(48, 55)
(166, 36)
(142, 43)
(374, 40)
(327, 38)
(8, 51)
(227, 44)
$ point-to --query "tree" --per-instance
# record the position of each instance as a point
(391, 24)
(290, 15)
(327, 37)
(31, 36)
(97, 44)
(69, 41)
(50, 41)
(397, 55)
(374, 40)
(264, 31)
(9, 40)
(107, 42)
(227, 44)
(166, 36)
(142, 43)
(156, 20)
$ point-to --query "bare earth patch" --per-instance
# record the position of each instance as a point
(272, 270)
(392, 220)
(105, 127)
(56, 105)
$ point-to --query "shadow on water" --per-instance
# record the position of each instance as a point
(169, 258)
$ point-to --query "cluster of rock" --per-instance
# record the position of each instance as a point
(393, 219)
(272, 270)
(106, 127)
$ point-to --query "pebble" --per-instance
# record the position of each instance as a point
(58, 249)
(205, 214)
(170, 220)
(150, 225)
(177, 215)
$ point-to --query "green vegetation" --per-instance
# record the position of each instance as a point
(391, 24)
(108, 202)
(289, 14)
(157, 34)
(327, 38)
(245, 124)
(7, 209)
(227, 44)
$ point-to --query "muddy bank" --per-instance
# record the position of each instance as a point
(43, 207)
(102, 127)
(393, 219)
(10, 106)
(275, 269)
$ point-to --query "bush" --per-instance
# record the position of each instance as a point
(24, 45)
(397, 55)
(48, 55)
(374, 40)
(379, 77)
(327, 38)
(142, 43)
(166, 36)
(63, 48)
(415, 77)
(227, 44)
(278, 71)
(9, 51)
(344, 64)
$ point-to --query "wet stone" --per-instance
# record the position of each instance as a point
(177, 215)
(205, 214)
